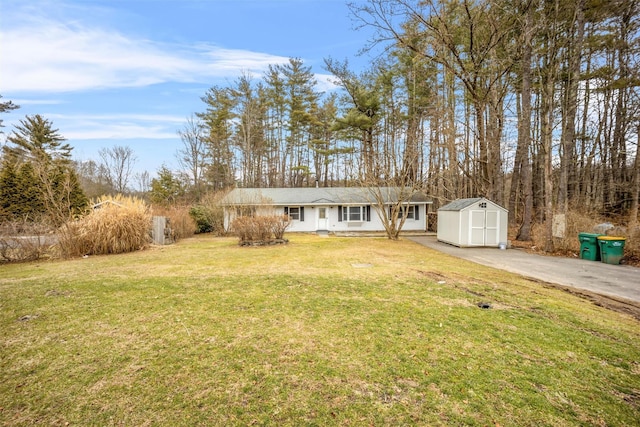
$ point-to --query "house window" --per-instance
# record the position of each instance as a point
(245, 211)
(408, 211)
(295, 213)
(354, 213)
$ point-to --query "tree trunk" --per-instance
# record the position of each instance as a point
(524, 137)
(485, 185)
(635, 187)
(567, 159)
(546, 130)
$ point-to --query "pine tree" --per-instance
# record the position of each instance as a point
(37, 177)
(8, 183)
(166, 189)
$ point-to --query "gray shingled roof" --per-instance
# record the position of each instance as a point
(313, 196)
(458, 205)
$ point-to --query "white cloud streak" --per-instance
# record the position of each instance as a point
(118, 126)
(47, 56)
(23, 102)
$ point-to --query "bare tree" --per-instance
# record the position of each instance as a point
(143, 181)
(392, 194)
(118, 162)
(193, 156)
(635, 187)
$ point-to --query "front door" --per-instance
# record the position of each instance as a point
(323, 220)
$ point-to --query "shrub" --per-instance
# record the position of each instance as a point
(115, 225)
(279, 225)
(578, 222)
(180, 220)
(632, 246)
(209, 215)
(260, 229)
(575, 223)
(203, 218)
(25, 240)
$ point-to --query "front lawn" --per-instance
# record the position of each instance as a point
(322, 331)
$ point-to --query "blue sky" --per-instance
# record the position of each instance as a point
(130, 72)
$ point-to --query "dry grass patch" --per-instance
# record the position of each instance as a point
(579, 222)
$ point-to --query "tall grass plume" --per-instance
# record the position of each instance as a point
(116, 224)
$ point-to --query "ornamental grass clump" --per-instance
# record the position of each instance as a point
(116, 225)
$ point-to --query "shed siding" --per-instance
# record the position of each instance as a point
(449, 227)
(467, 223)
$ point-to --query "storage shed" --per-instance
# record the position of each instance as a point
(472, 222)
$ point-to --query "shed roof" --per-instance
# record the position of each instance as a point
(460, 204)
(315, 196)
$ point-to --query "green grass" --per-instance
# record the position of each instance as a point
(207, 333)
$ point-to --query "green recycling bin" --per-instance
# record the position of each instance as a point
(589, 248)
(611, 249)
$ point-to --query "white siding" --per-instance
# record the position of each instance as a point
(449, 227)
(310, 222)
(481, 223)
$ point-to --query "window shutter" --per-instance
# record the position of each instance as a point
(339, 213)
(416, 212)
(286, 210)
(369, 213)
(301, 213)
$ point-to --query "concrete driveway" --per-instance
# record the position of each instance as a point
(618, 281)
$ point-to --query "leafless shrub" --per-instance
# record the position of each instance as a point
(22, 241)
(575, 223)
(255, 229)
(279, 225)
(632, 245)
(182, 224)
(579, 222)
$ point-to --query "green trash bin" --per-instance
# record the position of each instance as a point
(611, 249)
(589, 248)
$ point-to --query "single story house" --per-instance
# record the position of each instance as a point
(326, 209)
(472, 222)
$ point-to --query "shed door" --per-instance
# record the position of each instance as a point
(492, 222)
(483, 228)
(476, 228)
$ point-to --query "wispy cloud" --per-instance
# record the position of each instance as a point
(119, 131)
(117, 126)
(23, 102)
(326, 82)
(41, 54)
